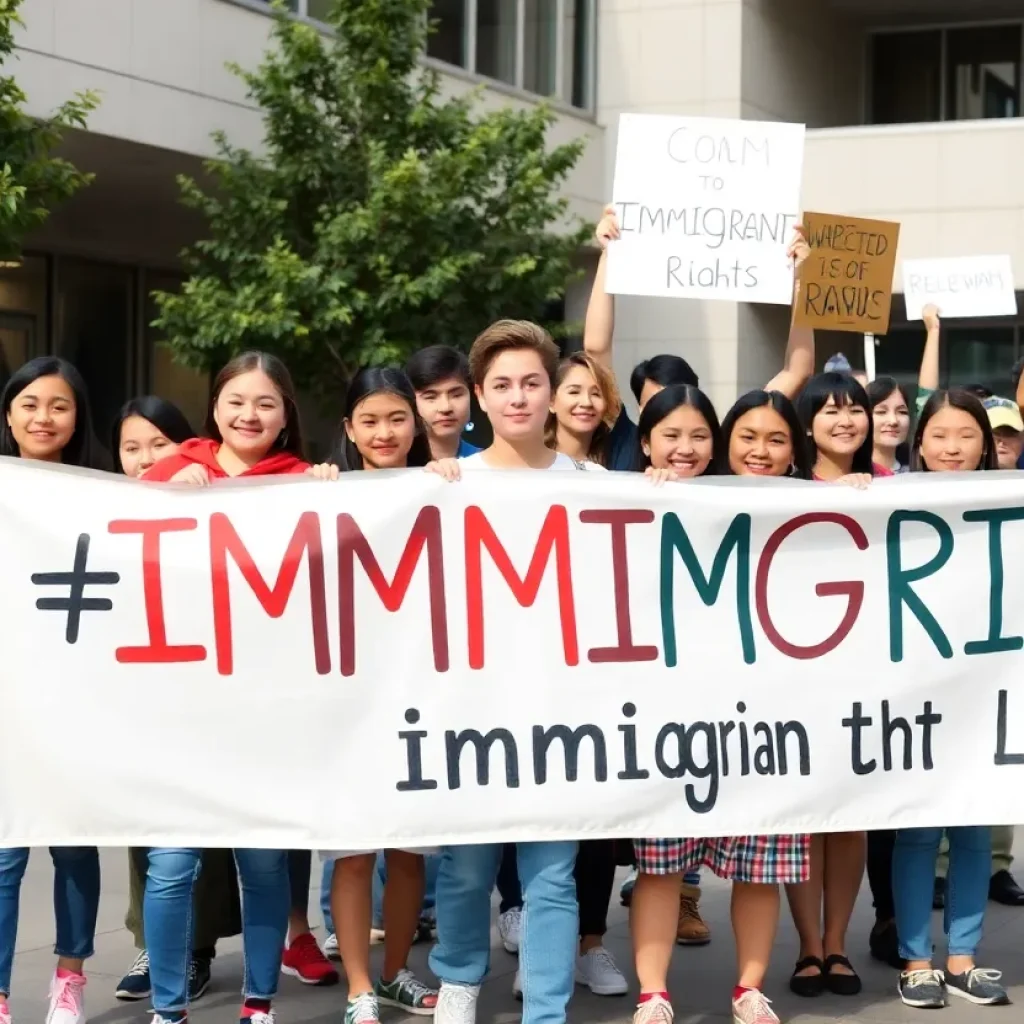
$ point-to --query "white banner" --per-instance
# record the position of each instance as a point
(706, 208)
(392, 660)
(964, 286)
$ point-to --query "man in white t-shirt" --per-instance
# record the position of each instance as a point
(513, 365)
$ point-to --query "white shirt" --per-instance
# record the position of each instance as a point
(561, 462)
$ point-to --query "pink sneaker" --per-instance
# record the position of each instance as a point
(5, 1012)
(67, 998)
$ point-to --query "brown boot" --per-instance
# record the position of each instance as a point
(692, 929)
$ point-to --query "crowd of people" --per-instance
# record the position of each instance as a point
(546, 413)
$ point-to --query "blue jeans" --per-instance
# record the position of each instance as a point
(380, 876)
(913, 881)
(167, 919)
(547, 951)
(76, 902)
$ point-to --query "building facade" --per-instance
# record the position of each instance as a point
(912, 108)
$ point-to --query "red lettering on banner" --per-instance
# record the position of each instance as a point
(224, 540)
(352, 544)
(625, 649)
(158, 650)
(852, 590)
(554, 536)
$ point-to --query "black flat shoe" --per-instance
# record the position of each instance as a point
(808, 985)
(841, 984)
(1003, 888)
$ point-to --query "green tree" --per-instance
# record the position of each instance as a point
(382, 216)
(32, 180)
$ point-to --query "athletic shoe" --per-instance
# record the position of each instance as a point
(135, 984)
(656, 1010)
(198, 977)
(407, 993)
(67, 999)
(924, 989)
(598, 971)
(753, 1007)
(510, 925)
(362, 1009)
(456, 1004)
(979, 985)
(331, 947)
(304, 960)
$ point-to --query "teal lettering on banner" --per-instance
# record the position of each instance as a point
(995, 642)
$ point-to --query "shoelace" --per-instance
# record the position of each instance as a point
(760, 1007)
(69, 994)
(407, 980)
(364, 1007)
(515, 918)
(688, 907)
(141, 965)
(654, 1011)
(603, 959)
(982, 975)
(926, 976)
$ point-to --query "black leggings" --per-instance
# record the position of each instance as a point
(595, 879)
(880, 847)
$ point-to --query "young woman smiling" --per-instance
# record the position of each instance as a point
(584, 408)
(953, 435)
(890, 417)
(46, 419)
(679, 434)
(760, 436)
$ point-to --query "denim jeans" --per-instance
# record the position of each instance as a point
(433, 862)
(76, 902)
(167, 917)
(913, 880)
(547, 951)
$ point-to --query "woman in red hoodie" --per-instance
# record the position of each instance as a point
(252, 426)
(254, 430)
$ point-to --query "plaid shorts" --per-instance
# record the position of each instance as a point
(764, 859)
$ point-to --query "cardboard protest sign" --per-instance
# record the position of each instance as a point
(846, 282)
(962, 286)
(706, 207)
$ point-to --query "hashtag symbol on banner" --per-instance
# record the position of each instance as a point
(76, 581)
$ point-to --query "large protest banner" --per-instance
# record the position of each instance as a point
(392, 660)
(706, 208)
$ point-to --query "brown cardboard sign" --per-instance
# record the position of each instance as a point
(846, 282)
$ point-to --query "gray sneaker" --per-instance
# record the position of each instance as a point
(924, 989)
(979, 985)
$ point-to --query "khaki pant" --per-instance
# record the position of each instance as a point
(217, 909)
(1002, 846)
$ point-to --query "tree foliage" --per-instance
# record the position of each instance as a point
(32, 180)
(382, 216)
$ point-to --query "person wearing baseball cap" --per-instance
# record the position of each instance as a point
(1008, 427)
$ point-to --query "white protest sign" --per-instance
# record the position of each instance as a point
(963, 286)
(392, 660)
(706, 208)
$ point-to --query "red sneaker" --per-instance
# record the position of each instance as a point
(304, 960)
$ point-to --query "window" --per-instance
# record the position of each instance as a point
(496, 39)
(540, 42)
(577, 57)
(448, 40)
(949, 74)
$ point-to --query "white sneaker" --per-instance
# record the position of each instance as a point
(597, 970)
(517, 986)
(67, 1000)
(655, 1010)
(753, 1008)
(330, 947)
(456, 1004)
(510, 925)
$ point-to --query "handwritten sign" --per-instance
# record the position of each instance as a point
(531, 655)
(964, 286)
(846, 282)
(706, 208)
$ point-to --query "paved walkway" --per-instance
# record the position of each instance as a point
(701, 980)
